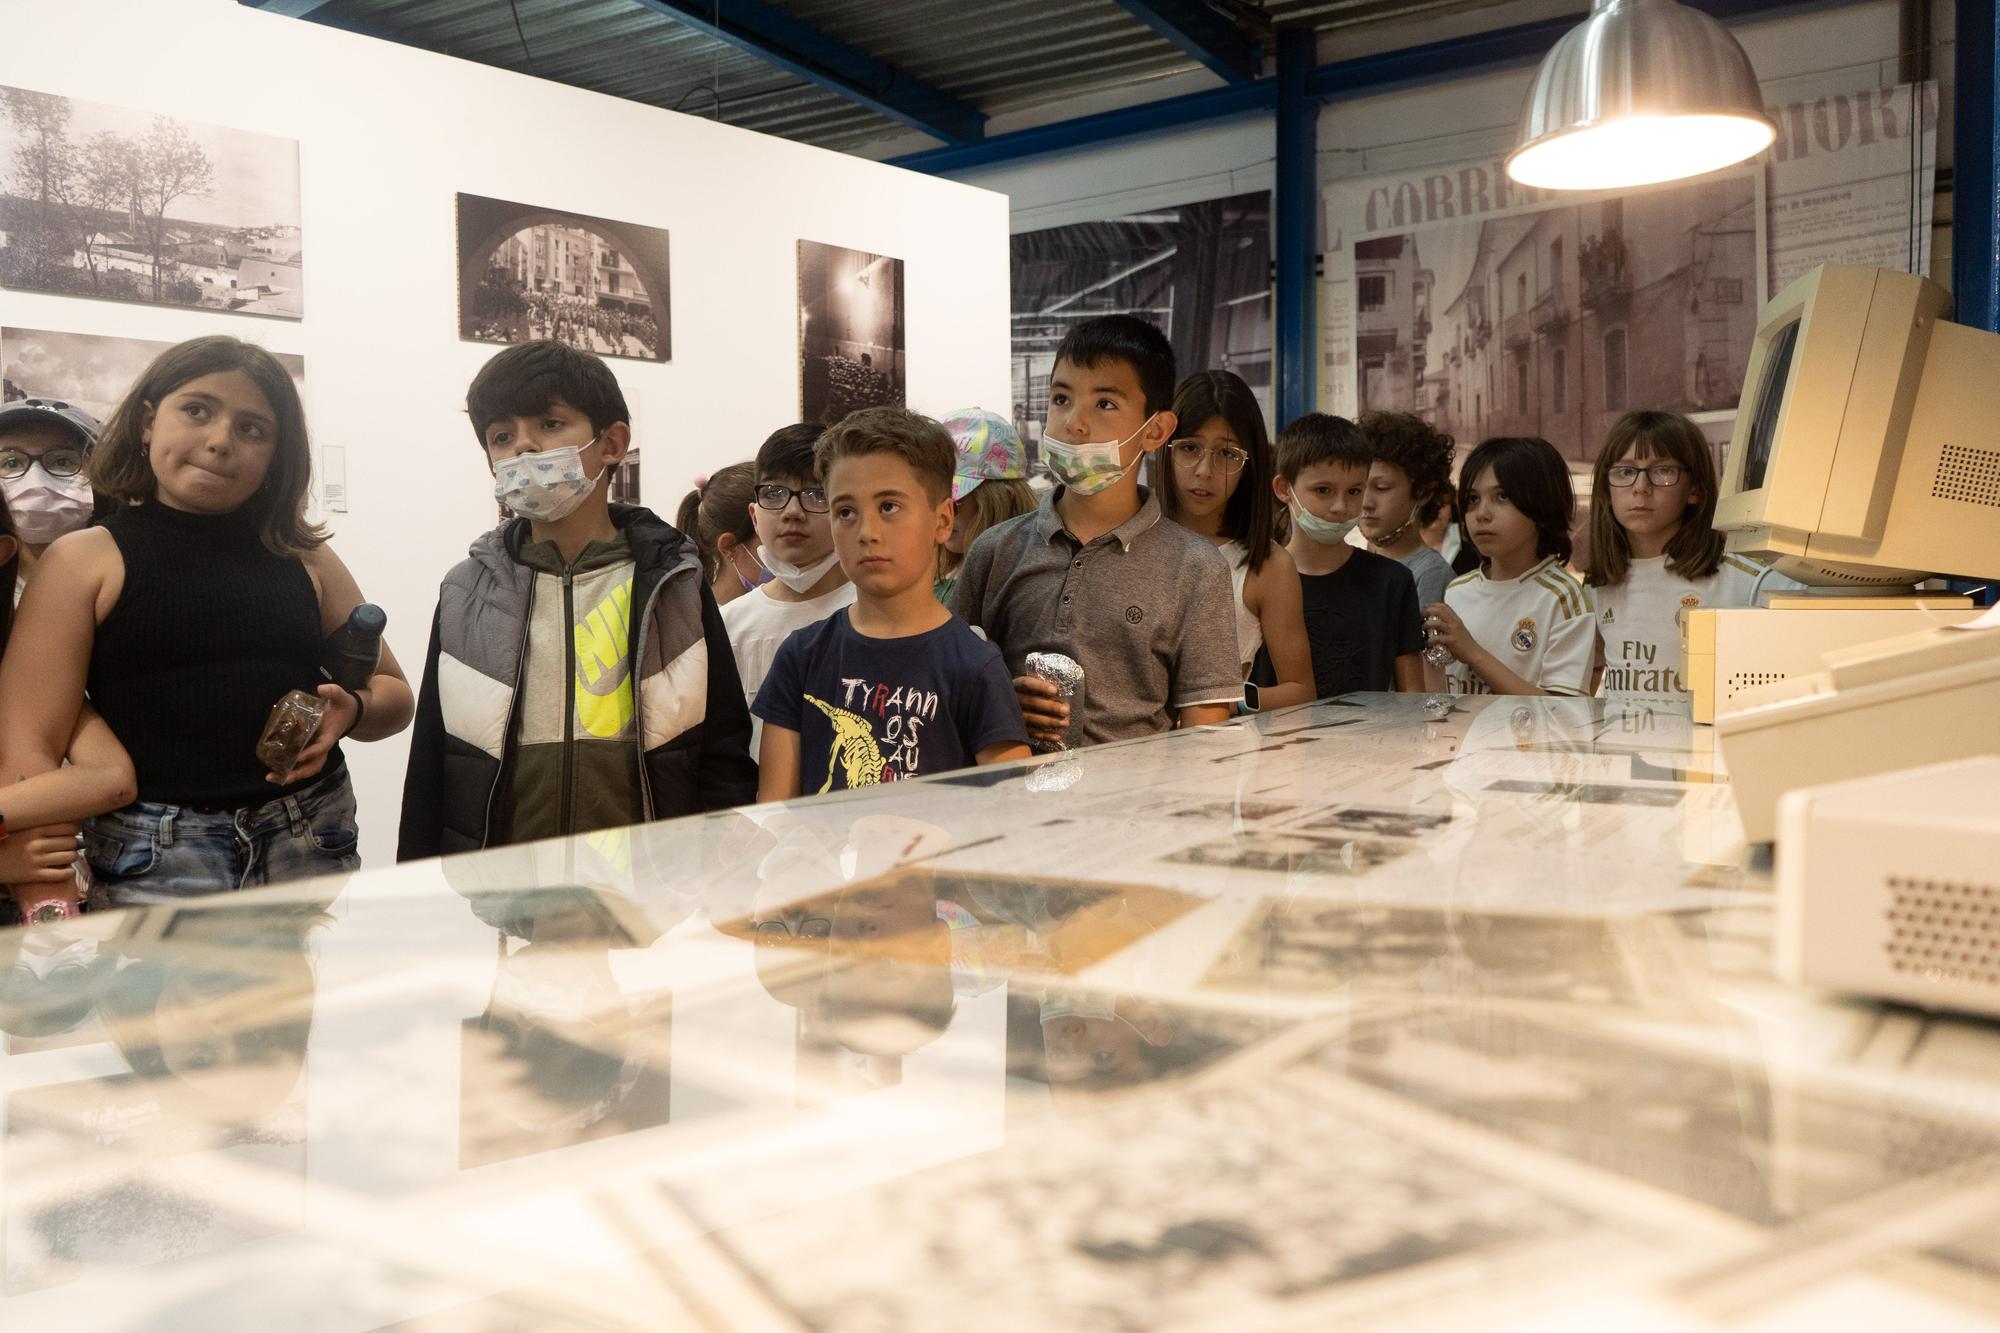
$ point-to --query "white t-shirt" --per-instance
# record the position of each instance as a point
(758, 626)
(1641, 619)
(1541, 626)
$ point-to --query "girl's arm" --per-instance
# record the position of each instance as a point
(48, 655)
(1411, 677)
(390, 703)
(1281, 612)
(1450, 631)
(99, 778)
(1003, 752)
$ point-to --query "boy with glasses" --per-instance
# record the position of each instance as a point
(789, 510)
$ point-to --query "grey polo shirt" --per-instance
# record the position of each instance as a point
(1148, 609)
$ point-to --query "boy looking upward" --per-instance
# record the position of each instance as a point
(1144, 605)
(578, 676)
(894, 686)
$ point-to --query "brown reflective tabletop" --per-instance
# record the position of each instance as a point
(1364, 1014)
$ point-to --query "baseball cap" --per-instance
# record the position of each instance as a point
(989, 449)
(27, 411)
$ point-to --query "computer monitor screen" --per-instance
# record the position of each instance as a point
(1771, 395)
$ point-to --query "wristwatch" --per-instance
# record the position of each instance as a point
(50, 911)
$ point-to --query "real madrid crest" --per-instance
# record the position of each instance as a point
(1524, 634)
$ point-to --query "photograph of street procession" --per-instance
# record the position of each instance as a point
(526, 272)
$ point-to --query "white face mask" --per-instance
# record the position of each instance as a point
(1087, 469)
(1323, 530)
(44, 507)
(799, 578)
(545, 486)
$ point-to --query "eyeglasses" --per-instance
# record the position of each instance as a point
(1661, 475)
(1187, 455)
(812, 928)
(14, 463)
(775, 496)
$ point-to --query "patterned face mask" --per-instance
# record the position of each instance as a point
(1087, 469)
(546, 486)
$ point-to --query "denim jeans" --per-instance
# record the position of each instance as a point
(148, 852)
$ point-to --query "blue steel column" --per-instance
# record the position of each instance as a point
(1975, 206)
(1296, 205)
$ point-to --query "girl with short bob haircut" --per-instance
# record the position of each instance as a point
(1654, 551)
(203, 598)
(1215, 479)
(1520, 623)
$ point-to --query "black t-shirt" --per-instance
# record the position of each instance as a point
(1359, 620)
(870, 711)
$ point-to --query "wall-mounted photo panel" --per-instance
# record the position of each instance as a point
(527, 272)
(126, 205)
(850, 331)
(87, 369)
(1199, 272)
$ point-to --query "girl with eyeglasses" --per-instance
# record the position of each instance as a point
(1214, 479)
(38, 835)
(1654, 553)
(45, 448)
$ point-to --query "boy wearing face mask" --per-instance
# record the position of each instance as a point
(579, 675)
(1096, 573)
(1361, 608)
(788, 507)
(44, 447)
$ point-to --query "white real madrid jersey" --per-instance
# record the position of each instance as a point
(1541, 626)
(1640, 621)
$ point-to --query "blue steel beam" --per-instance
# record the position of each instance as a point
(1237, 99)
(291, 9)
(1295, 204)
(1975, 192)
(1202, 33)
(755, 27)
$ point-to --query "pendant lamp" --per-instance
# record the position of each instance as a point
(1641, 91)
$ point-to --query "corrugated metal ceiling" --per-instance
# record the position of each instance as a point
(995, 55)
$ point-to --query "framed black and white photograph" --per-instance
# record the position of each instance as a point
(527, 272)
(88, 369)
(122, 204)
(1199, 272)
(850, 332)
(1556, 320)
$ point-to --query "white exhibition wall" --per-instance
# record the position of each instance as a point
(387, 136)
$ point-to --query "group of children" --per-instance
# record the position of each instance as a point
(857, 605)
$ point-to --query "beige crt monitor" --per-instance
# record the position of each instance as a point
(1866, 458)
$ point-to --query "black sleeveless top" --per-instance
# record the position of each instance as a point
(210, 631)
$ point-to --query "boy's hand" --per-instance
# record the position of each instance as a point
(341, 715)
(1442, 625)
(38, 856)
(1042, 707)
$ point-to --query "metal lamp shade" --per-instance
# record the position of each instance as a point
(1641, 91)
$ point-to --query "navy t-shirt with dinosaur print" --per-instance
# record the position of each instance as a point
(870, 711)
